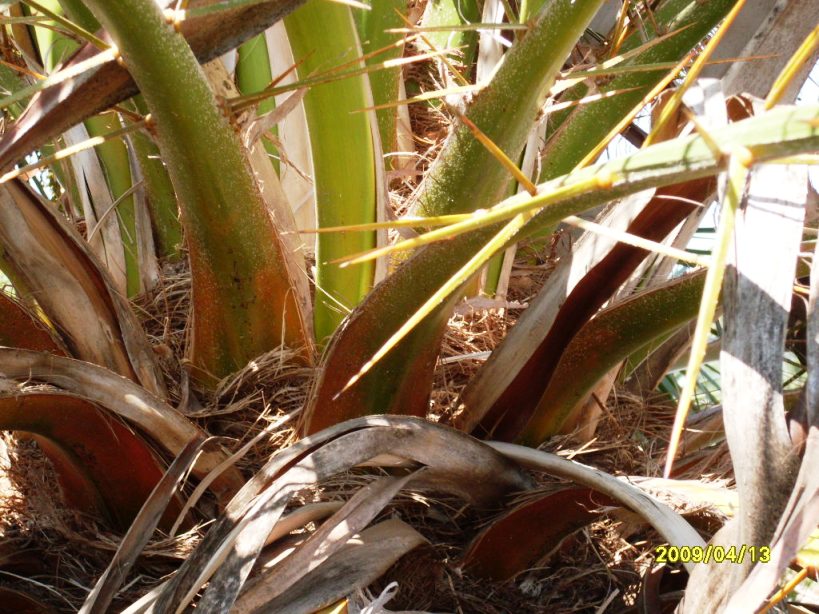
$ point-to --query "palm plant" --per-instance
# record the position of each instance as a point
(190, 135)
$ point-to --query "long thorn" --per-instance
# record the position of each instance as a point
(482, 218)
(637, 241)
(497, 153)
(592, 155)
(451, 285)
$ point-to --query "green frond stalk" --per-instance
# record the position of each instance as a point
(343, 157)
(445, 13)
(372, 31)
(242, 299)
(253, 75)
(466, 176)
(605, 341)
(79, 14)
(529, 8)
(161, 198)
(573, 134)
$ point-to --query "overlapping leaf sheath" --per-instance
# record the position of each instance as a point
(501, 398)
(464, 178)
(56, 267)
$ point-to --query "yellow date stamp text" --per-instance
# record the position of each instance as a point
(713, 554)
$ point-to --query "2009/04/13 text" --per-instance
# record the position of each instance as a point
(712, 553)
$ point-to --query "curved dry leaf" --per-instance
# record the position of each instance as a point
(670, 525)
(238, 551)
(363, 560)
(356, 514)
(230, 461)
(311, 512)
(102, 465)
(475, 472)
(151, 414)
(485, 474)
